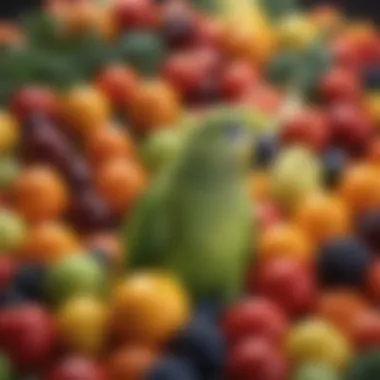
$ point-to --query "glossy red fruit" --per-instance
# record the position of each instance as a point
(237, 79)
(350, 127)
(77, 368)
(256, 359)
(254, 318)
(132, 14)
(34, 100)
(365, 331)
(182, 71)
(118, 83)
(289, 283)
(27, 336)
(308, 127)
(373, 282)
(340, 84)
(7, 271)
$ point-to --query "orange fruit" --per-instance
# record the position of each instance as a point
(323, 216)
(154, 106)
(131, 362)
(40, 194)
(341, 308)
(85, 109)
(49, 242)
(149, 307)
(360, 187)
(108, 144)
(284, 240)
(120, 182)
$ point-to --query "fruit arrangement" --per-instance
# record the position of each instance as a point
(190, 190)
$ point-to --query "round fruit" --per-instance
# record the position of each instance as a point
(316, 371)
(12, 231)
(149, 307)
(9, 133)
(74, 275)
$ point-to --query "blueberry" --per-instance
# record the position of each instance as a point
(10, 297)
(371, 78)
(265, 151)
(369, 229)
(172, 368)
(343, 262)
(334, 163)
(29, 281)
(202, 344)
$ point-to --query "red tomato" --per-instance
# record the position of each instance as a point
(256, 359)
(132, 14)
(118, 83)
(365, 331)
(7, 271)
(340, 84)
(77, 368)
(289, 283)
(308, 127)
(254, 318)
(27, 336)
(237, 79)
(34, 100)
(350, 127)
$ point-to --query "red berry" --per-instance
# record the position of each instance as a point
(118, 83)
(7, 271)
(256, 359)
(308, 127)
(132, 14)
(77, 368)
(34, 100)
(27, 336)
(365, 331)
(237, 79)
(340, 84)
(254, 318)
(350, 127)
(289, 283)
(182, 71)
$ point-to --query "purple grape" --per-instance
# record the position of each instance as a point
(89, 213)
(79, 175)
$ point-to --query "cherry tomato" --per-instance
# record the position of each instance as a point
(40, 194)
(149, 308)
(118, 83)
(254, 318)
(27, 336)
(131, 363)
(34, 100)
(256, 359)
(287, 282)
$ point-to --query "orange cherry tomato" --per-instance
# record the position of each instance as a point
(49, 242)
(284, 240)
(108, 144)
(121, 182)
(40, 194)
(323, 216)
(155, 106)
(360, 187)
(118, 83)
(341, 307)
(131, 362)
(85, 109)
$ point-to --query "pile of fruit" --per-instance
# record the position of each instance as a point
(190, 190)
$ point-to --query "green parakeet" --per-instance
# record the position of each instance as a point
(196, 219)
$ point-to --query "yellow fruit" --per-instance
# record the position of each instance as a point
(149, 307)
(9, 133)
(316, 340)
(82, 324)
